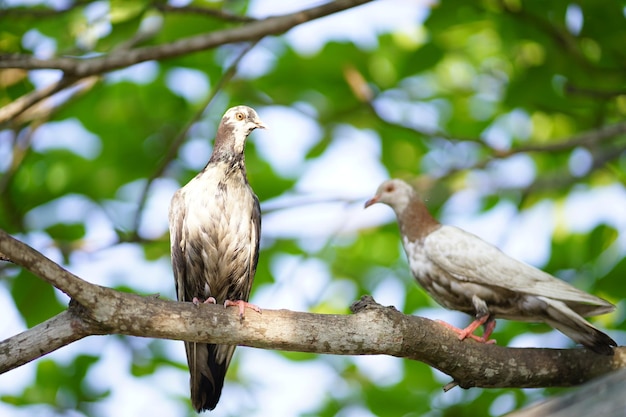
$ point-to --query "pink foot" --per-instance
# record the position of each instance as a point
(469, 330)
(209, 300)
(242, 306)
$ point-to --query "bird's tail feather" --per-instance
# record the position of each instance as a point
(568, 322)
(207, 365)
(588, 310)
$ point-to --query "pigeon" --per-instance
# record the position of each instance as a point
(215, 223)
(463, 272)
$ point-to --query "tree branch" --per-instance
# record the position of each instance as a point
(204, 11)
(600, 159)
(59, 331)
(586, 139)
(39, 13)
(76, 69)
(20, 149)
(21, 254)
(362, 91)
(593, 93)
(80, 67)
(372, 330)
(18, 106)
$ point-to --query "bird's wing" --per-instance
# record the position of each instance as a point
(255, 234)
(176, 221)
(469, 258)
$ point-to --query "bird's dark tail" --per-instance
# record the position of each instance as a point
(207, 366)
(578, 329)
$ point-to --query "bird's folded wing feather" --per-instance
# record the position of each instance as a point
(255, 232)
(176, 219)
(469, 258)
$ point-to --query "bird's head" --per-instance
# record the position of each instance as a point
(395, 193)
(238, 122)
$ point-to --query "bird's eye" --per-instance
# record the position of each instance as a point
(239, 116)
(389, 188)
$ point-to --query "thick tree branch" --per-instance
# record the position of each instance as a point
(59, 331)
(21, 254)
(372, 330)
(79, 67)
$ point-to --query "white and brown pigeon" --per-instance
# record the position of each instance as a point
(462, 272)
(215, 223)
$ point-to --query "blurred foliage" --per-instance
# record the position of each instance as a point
(474, 86)
(62, 387)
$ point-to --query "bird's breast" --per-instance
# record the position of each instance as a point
(220, 236)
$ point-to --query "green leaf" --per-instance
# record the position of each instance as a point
(66, 232)
(612, 284)
(577, 250)
(34, 298)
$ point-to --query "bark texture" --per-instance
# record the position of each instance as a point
(371, 330)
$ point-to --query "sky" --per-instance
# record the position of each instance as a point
(323, 180)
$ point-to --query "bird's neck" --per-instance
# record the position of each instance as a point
(229, 139)
(416, 222)
(223, 153)
(232, 162)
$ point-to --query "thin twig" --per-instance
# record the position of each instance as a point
(205, 11)
(21, 147)
(17, 107)
(564, 180)
(563, 39)
(586, 139)
(22, 12)
(81, 67)
(450, 385)
(590, 92)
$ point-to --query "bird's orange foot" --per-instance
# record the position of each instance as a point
(242, 306)
(469, 332)
(209, 300)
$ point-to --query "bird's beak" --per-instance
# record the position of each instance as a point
(260, 124)
(371, 201)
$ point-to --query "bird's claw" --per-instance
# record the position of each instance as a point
(242, 306)
(196, 301)
(481, 339)
(468, 333)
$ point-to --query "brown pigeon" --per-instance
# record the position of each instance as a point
(215, 222)
(462, 272)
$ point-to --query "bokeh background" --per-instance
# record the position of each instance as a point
(507, 115)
